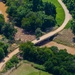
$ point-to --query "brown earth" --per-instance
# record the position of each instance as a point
(3, 8)
(66, 37)
(23, 36)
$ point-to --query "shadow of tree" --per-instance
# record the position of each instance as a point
(25, 32)
(46, 41)
(74, 39)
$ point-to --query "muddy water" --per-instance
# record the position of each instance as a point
(3, 10)
(60, 46)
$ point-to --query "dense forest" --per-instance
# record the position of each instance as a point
(31, 14)
(57, 62)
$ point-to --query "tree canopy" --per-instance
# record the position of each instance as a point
(57, 62)
(6, 28)
(3, 50)
(2, 20)
(31, 14)
(71, 6)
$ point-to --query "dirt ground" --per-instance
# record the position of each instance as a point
(70, 50)
(65, 37)
(23, 36)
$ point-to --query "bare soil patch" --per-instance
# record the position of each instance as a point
(3, 8)
(65, 37)
(70, 50)
(23, 36)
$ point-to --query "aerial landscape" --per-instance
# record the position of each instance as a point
(37, 37)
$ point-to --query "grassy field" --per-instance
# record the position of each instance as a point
(27, 69)
(60, 12)
(68, 25)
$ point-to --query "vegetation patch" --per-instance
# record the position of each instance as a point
(3, 50)
(60, 16)
(69, 25)
(11, 63)
(7, 29)
(71, 6)
(27, 69)
(68, 37)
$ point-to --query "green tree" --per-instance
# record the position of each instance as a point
(14, 59)
(36, 5)
(49, 65)
(43, 54)
(73, 26)
(4, 47)
(38, 32)
(8, 30)
(50, 9)
(49, 21)
(12, 62)
(22, 11)
(30, 15)
(26, 24)
(71, 6)
(54, 49)
(12, 10)
(32, 22)
(9, 65)
(2, 54)
(2, 21)
(28, 50)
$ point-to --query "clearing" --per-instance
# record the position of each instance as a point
(27, 69)
(65, 37)
(23, 36)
